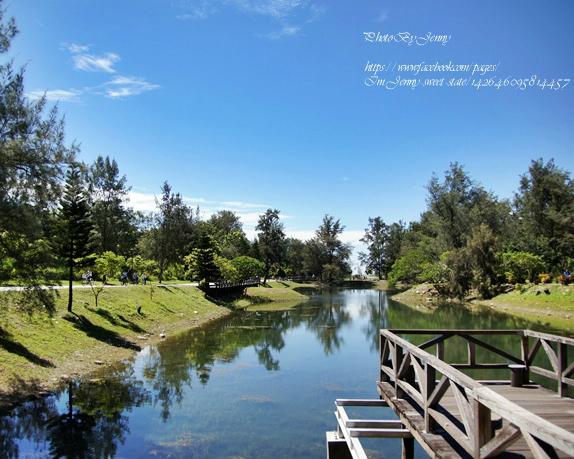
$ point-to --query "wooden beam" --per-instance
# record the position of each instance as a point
(360, 402)
(380, 433)
(548, 337)
(492, 349)
(438, 339)
(505, 438)
(551, 355)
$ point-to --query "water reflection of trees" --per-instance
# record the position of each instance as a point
(170, 370)
(327, 323)
(91, 425)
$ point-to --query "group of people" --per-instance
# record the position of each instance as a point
(124, 278)
(87, 277)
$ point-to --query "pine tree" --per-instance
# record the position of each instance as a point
(33, 159)
(74, 227)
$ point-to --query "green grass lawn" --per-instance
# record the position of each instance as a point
(277, 291)
(36, 346)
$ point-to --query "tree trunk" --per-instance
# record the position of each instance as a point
(70, 289)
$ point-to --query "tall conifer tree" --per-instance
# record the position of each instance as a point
(74, 227)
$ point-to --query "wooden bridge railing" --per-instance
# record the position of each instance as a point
(413, 371)
(222, 283)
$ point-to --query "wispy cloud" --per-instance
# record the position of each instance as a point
(57, 95)
(118, 87)
(93, 63)
(249, 213)
(128, 86)
(74, 48)
(273, 8)
(286, 31)
(244, 205)
(290, 15)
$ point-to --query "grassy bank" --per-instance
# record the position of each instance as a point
(546, 303)
(39, 349)
(274, 292)
(552, 304)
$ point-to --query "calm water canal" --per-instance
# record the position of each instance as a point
(254, 385)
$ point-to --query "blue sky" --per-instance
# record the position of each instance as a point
(253, 104)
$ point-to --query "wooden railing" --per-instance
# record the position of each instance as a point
(413, 371)
(222, 283)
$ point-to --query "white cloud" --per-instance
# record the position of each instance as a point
(383, 16)
(143, 202)
(93, 63)
(303, 11)
(57, 95)
(273, 8)
(286, 31)
(128, 86)
(74, 48)
(237, 204)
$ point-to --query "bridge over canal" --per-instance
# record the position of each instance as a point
(449, 413)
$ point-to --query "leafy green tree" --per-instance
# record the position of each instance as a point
(224, 222)
(518, 267)
(234, 244)
(375, 238)
(110, 265)
(247, 268)
(201, 262)
(294, 257)
(480, 250)
(114, 224)
(383, 245)
(412, 266)
(271, 238)
(328, 251)
(74, 227)
(169, 238)
(33, 161)
(544, 205)
(457, 204)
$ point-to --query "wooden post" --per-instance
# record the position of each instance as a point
(430, 384)
(398, 354)
(471, 353)
(440, 350)
(525, 352)
(482, 426)
(562, 364)
(408, 450)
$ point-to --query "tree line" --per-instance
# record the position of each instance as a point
(468, 239)
(60, 217)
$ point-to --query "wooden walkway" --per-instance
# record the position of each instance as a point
(452, 415)
(222, 288)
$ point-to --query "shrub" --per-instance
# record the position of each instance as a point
(545, 278)
(519, 267)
